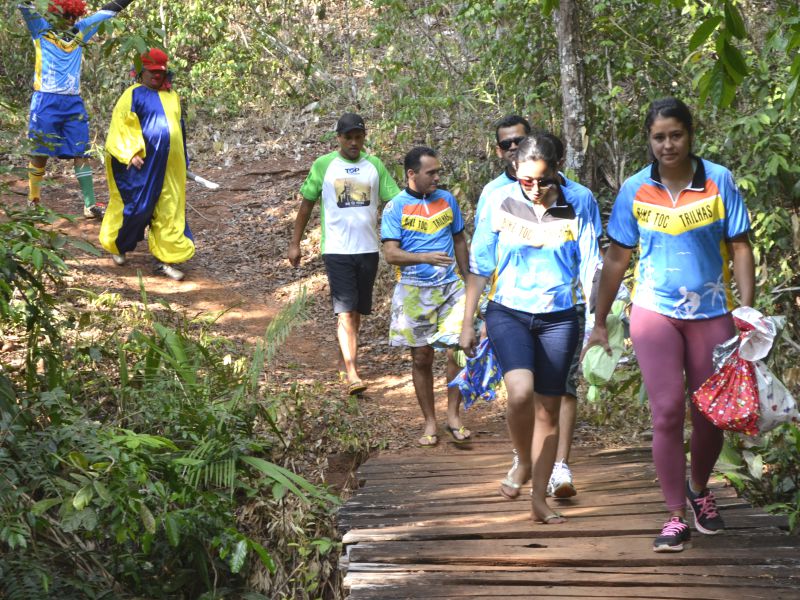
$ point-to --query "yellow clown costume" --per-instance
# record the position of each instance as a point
(147, 123)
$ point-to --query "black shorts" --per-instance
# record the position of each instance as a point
(575, 366)
(351, 278)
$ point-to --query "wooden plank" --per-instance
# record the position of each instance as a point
(747, 576)
(675, 592)
(779, 574)
(584, 551)
(464, 460)
(509, 526)
(503, 454)
(737, 517)
(483, 496)
(434, 526)
(626, 475)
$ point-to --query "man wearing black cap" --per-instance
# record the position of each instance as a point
(350, 184)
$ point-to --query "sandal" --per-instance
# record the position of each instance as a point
(460, 434)
(356, 388)
(548, 520)
(508, 487)
(428, 440)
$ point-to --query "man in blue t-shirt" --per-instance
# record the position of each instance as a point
(59, 123)
(423, 236)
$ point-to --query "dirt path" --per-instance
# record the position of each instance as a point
(242, 231)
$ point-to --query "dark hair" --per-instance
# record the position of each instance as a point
(537, 148)
(511, 121)
(557, 144)
(413, 159)
(666, 108)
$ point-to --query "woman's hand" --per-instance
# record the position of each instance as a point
(598, 337)
(137, 161)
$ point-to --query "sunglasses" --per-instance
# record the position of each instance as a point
(506, 144)
(543, 182)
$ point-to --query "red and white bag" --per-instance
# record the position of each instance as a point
(742, 394)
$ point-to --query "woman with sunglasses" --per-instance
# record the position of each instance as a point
(689, 222)
(536, 243)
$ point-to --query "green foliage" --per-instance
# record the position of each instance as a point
(157, 465)
(766, 469)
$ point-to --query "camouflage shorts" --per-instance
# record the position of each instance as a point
(418, 312)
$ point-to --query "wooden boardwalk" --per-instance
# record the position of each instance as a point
(435, 526)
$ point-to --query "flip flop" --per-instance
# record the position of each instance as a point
(428, 440)
(356, 388)
(464, 433)
(551, 517)
(510, 489)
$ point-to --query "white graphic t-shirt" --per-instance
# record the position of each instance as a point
(350, 192)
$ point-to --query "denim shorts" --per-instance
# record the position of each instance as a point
(542, 343)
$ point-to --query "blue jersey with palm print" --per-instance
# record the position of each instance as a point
(683, 269)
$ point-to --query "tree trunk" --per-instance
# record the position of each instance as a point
(573, 93)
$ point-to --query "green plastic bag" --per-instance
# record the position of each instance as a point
(598, 367)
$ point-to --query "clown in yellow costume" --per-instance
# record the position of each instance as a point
(146, 165)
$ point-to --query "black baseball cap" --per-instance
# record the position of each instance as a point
(348, 122)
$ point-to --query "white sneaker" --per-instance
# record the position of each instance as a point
(119, 259)
(170, 271)
(560, 485)
(95, 211)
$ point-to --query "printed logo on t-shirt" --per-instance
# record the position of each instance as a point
(428, 218)
(520, 222)
(548, 233)
(351, 193)
(674, 221)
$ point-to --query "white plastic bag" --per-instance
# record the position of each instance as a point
(776, 404)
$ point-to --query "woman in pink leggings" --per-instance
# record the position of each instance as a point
(690, 225)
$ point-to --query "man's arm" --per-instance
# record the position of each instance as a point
(462, 253)
(475, 287)
(615, 263)
(88, 26)
(396, 256)
(116, 5)
(300, 222)
(35, 22)
(744, 270)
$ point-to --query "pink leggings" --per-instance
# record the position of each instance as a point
(666, 348)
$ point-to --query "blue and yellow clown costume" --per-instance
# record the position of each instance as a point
(147, 123)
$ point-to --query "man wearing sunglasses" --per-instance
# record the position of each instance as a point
(509, 132)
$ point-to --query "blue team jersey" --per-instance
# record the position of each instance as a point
(535, 260)
(423, 224)
(501, 180)
(59, 53)
(683, 268)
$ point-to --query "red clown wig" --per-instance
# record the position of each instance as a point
(68, 9)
